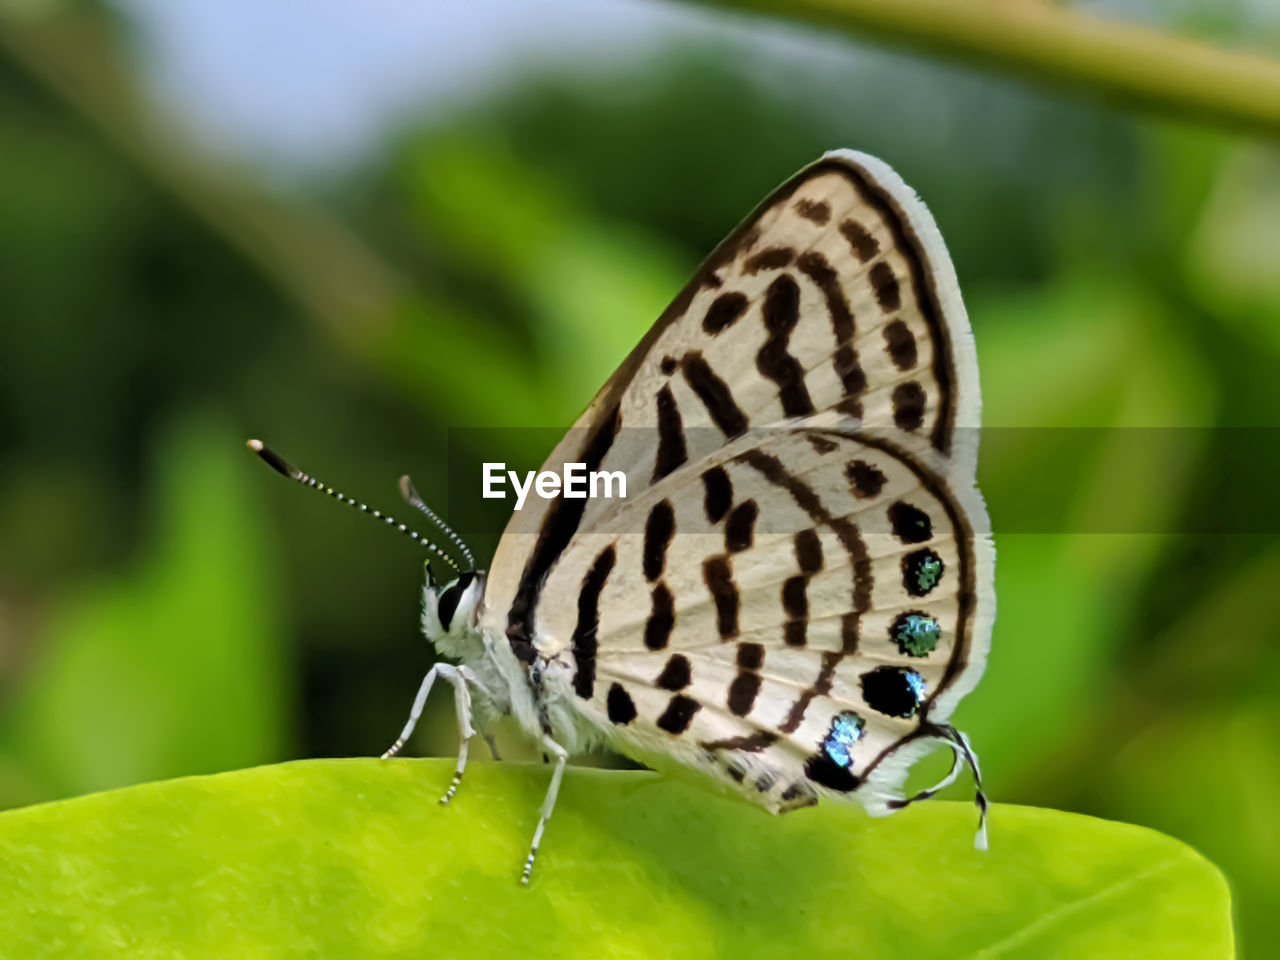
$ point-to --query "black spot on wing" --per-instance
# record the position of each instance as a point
(864, 245)
(724, 312)
(795, 633)
(662, 618)
(676, 675)
(772, 258)
(908, 406)
(742, 693)
(750, 656)
(739, 529)
(619, 705)
(910, 524)
(817, 211)
(718, 576)
(820, 444)
(781, 315)
(885, 285)
(901, 345)
(808, 548)
(659, 528)
(825, 772)
(797, 796)
(864, 479)
(719, 493)
(794, 599)
(714, 394)
(679, 714)
(893, 691)
(671, 446)
(584, 633)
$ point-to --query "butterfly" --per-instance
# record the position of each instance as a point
(798, 588)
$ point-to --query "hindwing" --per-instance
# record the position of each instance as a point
(792, 580)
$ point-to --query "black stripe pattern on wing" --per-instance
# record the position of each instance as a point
(816, 267)
(781, 315)
(559, 525)
(714, 394)
(659, 530)
(772, 469)
(671, 445)
(584, 633)
(795, 600)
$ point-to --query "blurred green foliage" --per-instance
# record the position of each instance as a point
(166, 608)
(356, 859)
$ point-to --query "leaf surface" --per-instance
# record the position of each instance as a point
(354, 858)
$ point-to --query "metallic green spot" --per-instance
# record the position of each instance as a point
(929, 573)
(917, 635)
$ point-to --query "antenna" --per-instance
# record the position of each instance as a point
(282, 467)
(411, 495)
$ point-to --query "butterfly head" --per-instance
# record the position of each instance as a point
(451, 611)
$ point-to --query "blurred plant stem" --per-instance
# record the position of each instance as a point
(1049, 41)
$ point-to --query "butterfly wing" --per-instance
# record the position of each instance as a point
(826, 332)
(793, 615)
(836, 294)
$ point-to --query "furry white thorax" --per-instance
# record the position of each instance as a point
(538, 696)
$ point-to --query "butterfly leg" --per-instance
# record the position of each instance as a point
(415, 711)
(548, 804)
(460, 678)
(462, 701)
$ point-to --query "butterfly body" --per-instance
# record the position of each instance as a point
(798, 588)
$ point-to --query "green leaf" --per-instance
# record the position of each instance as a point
(354, 858)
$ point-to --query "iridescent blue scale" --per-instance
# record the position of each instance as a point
(917, 685)
(846, 730)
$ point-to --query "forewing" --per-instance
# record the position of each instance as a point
(793, 615)
(835, 296)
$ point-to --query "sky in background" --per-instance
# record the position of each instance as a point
(313, 83)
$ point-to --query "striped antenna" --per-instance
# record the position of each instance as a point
(410, 494)
(282, 466)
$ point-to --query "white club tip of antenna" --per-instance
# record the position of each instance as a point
(255, 445)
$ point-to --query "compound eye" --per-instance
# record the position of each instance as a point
(448, 606)
(450, 598)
